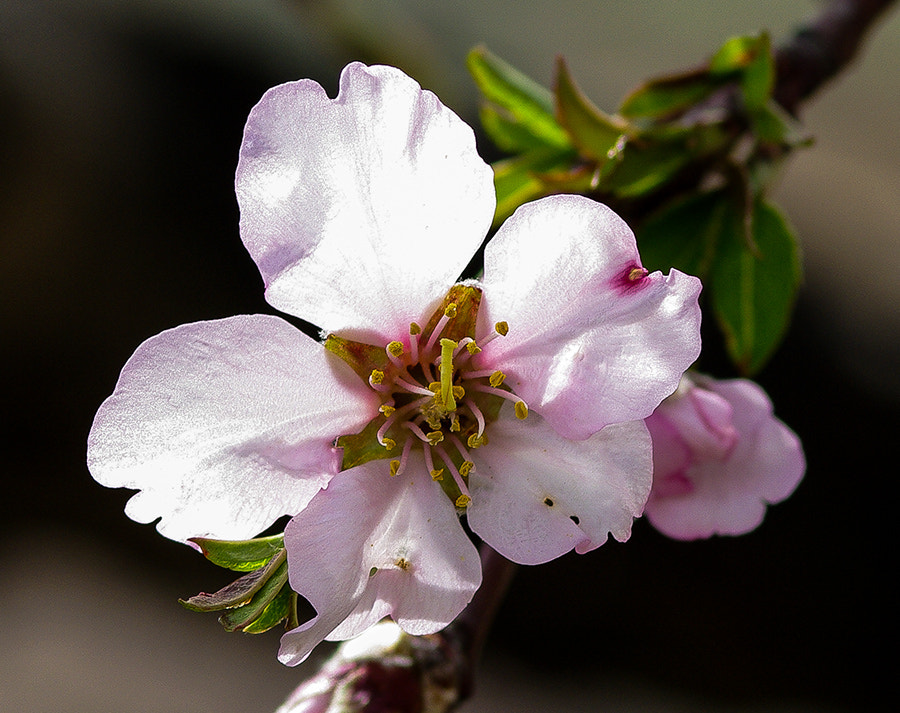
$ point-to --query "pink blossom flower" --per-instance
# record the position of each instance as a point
(361, 212)
(719, 457)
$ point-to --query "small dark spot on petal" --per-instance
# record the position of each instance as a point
(548, 502)
(574, 518)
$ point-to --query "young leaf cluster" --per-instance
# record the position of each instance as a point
(686, 159)
(260, 599)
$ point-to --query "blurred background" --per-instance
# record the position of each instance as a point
(121, 121)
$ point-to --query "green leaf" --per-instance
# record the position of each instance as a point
(519, 179)
(684, 234)
(759, 75)
(276, 611)
(242, 616)
(669, 95)
(524, 103)
(595, 133)
(754, 286)
(240, 555)
(735, 54)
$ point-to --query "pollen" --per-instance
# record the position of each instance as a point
(435, 437)
(414, 328)
(403, 563)
(521, 410)
(497, 378)
(450, 310)
(437, 474)
(473, 348)
(395, 349)
(376, 377)
(395, 467)
(637, 273)
(466, 468)
(463, 501)
(502, 328)
(390, 444)
(386, 409)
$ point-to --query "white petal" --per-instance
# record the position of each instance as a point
(587, 346)
(536, 495)
(224, 426)
(426, 569)
(360, 211)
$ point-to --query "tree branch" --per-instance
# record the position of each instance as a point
(823, 48)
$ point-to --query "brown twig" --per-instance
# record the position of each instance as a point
(820, 50)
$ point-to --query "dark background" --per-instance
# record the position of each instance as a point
(121, 125)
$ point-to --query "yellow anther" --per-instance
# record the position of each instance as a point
(437, 474)
(497, 378)
(395, 467)
(447, 347)
(390, 443)
(395, 348)
(376, 377)
(386, 409)
(521, 410)
(463, 500)
(473, 348)
(435, 386)
(476, 441)
(458, 392)
(450, 310)
(466, 468)
(637, 273)
(414, 328)
(435, 437)
(502, 328)
(454, 423)
(403, 564)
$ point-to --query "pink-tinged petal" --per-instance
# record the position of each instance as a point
(593, 339)
(360, 211)
(226, 425)
(536, 495)
(729, 491)
(369, 546)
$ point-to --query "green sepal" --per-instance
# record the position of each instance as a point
(239, 592)
(362, 447)
(240, 555)
(752, 58)
(595, 133)
(243, 616)
(754, 283)
(361, 357)
(519, 100)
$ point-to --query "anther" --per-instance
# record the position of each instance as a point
(386, 409)
(502, 328)
(476, 441)
(395, 467)
(463, 501)
(497, 378)
(437, 474)
(521, 410)
(449, 313)
(395, 351)
(435, 437)
(389, 443)
(414, 331)
(637, 273)
(376, 380)
(466, 468)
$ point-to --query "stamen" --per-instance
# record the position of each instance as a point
(411, 387)
(476, 412)
(449, 313)
(404, 457)
(397, 414)
(463, 501)
(389, 443)
(501, 329)
(476, 441)
(497, 378)
(521, 406)
(386, 409)
(417, 432)
(637, 273)
(394, 351)
(435, 437)
(376, 381)
(457, 478)
(436, 474)
(447, 347)
(414, 331)
(464, 453)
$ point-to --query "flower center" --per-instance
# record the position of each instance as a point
(434, 395)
